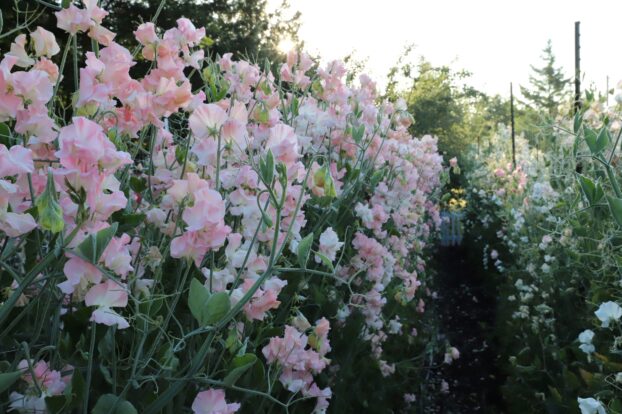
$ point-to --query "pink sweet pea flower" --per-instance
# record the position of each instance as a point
(208, 209)
(106, 296)
(101, 34)
(14, 224)
(33, 86)
(79, 272)
(73, 19)
(212, 401)
(44, 42)
(18, 50)
(117, 256)
(16, 160)
(145, 34)
(284, 144)
(206, 120)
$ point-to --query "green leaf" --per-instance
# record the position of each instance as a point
(205, 307)
(8, 378)
(94, 245)
(578, 120)
(358, 133)
(217, 307)
(304, 250)
(5, 135)
(127, 221)
(615, 204)
(56, 404)
(238, 367)
(197, 298)
(326, 261)
(590, 138)
(78, 386)
(138, 185)
(593, 191)
(111, 404)
(603, 139)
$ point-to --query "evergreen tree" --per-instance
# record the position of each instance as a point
(548, 84)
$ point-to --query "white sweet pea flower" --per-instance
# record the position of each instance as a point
(591, 406)
(585, 338)
(608, 312)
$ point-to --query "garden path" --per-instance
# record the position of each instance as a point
(467, 318)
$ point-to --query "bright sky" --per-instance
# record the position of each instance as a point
(496, 40)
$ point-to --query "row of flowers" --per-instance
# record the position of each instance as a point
(168, 235)
(546, 228)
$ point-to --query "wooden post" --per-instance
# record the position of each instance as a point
(577, 68)
(513, 134)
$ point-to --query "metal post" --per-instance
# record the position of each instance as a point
(577, 68)
(513, 134)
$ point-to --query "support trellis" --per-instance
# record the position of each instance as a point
(451, 228)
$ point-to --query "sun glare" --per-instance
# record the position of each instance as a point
(286, 44)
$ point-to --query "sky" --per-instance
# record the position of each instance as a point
(495, 40)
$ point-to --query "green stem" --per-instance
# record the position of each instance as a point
(89, 372)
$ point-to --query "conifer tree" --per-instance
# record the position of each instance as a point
(548, 84)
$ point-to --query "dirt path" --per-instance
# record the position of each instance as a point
(467, 316)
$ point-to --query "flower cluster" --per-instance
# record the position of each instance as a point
(114, 212)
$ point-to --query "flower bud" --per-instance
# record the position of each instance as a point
(50, 211)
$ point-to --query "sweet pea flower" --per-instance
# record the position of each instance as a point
(145, 34)
(45, 383)
(212, 401)
(16, 160)
(329, 245)
(18, 50)
(44, 42)
(284, 144)
(590, 406)
(106, 296)
(15, 224)
(73, 19)
(608, 312)
(585, 338)
(79, 272)
(206, 120)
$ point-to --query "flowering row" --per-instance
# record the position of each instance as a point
(173, 230)
(553, 248)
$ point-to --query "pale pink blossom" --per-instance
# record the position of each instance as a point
(145, 34)
(18, 50)
(73, 19)
(16, 160)
(212, 401)
(106, 296)
(44, 42)
(284, 144)
(206, 120)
